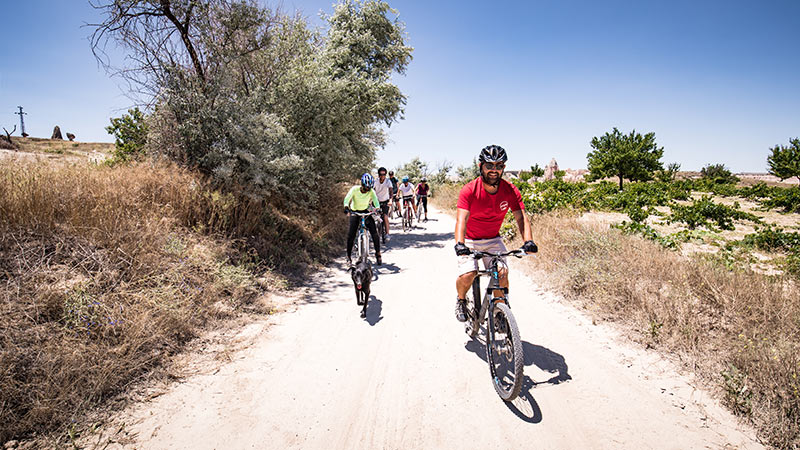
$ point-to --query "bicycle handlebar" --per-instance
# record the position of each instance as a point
(368, 213)
(519, 253)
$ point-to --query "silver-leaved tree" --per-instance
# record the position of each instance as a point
(255, 97)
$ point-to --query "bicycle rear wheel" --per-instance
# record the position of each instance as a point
(504, 352)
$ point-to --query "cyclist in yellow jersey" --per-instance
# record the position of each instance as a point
(359, 199)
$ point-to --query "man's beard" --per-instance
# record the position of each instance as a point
(489, 181)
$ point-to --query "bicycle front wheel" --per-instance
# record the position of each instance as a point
(363, 247)
(504, 352)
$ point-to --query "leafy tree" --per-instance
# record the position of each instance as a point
(414, 170)
(130, 135)
(718, 174)
(630, 156)
(256, 98)
(668, 175)
(442, 175)
(784, 162)
(469, 173)
(537, 171)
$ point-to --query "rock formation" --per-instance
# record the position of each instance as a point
(71, 137)
(56, 133)
(550, 169)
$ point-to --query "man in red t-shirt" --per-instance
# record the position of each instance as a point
(482, 206)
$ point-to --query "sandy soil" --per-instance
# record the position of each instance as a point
(408, 377)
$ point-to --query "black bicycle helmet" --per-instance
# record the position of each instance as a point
(493, 153)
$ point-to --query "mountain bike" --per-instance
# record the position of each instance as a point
(503, 343)
(361, 244)
(408, 214)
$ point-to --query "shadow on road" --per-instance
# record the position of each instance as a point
(402, 240)
(374, 307)
(317, 290)
(384, 269)
(525, 406)
(547, 360)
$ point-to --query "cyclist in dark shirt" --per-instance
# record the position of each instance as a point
(423, 190)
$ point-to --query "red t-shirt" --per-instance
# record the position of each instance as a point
(487, 211)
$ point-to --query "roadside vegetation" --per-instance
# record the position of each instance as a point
(107, 273)
(222, 188)
(705, 269)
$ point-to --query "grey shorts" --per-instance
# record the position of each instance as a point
(468, 263)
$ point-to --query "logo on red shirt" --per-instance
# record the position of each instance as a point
(503, 206)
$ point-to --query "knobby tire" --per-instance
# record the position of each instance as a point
(507, 391)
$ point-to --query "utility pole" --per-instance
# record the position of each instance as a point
(22, 121)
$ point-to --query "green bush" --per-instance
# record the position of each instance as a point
(647, 232)
(668, 175)
(773, 238)
(130, 136)
(554, 194)
(718, 174)
(703, 212)
(758, 191)
(787, 199)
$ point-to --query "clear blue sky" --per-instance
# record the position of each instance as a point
(717, 81)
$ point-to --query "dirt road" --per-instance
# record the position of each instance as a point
(408, 377)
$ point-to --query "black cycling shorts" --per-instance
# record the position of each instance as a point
(385, 207)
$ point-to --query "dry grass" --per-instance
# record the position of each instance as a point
(106, 272)
(446, 197)
(739, 330)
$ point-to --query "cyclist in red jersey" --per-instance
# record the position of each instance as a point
(482, 206)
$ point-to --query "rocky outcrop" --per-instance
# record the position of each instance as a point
(71, 137)
(550, 169)
(56, 133)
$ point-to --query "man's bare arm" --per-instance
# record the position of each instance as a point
(523, 224)
(461, 224)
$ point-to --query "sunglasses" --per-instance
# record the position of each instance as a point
(382, 174)
(494, 166)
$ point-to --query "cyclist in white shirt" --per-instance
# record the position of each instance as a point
(383, 187)
(406, 189)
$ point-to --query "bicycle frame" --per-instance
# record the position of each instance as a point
(360, 234)
(407, 202)
(488, 298)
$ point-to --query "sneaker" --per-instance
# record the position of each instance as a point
(378, 259)
(461, 310)
(387, 239)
